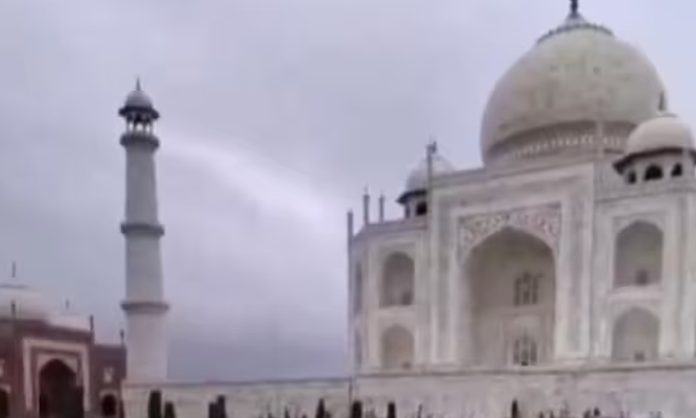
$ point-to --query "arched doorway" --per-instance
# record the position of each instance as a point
(397, 348)
(511, 280)
(59, 395)
(398, 281)
(635, 336)
(109, 406)
(638, 255)
(4, 404)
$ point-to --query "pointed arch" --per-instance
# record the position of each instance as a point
(397, 348)
(653, 172)
(525, 351)
(638, 255)
(510, 277)
(398, 280)
(109, 405)
(635, 336)
(58, 389)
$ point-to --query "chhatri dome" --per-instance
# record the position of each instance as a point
(418, 178)
(577, 84)
(665, 131)
(138, 99)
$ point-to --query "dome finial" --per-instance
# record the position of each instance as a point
(137, 84)
(574, 6)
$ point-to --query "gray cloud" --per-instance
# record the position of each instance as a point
(276, 114)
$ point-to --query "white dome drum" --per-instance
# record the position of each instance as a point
(579, 83)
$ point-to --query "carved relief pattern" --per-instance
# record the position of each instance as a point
(542, 221)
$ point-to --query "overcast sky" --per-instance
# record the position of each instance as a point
(276, 114)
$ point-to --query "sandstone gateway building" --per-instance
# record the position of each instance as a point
(560, 275)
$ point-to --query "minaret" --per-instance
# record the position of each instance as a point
(144, 305)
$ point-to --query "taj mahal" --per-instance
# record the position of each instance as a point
(554, 280)
(556, 277)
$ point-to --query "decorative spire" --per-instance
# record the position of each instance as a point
(431, 148)
(13, 272)
(137, 84)
(366, 207)
(662, 104)
(574, 6)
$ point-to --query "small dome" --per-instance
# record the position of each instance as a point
(418, 178)
(549, 100)
(28, 303)
(665, 131)
(138, 99)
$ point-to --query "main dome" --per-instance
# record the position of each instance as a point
(22, 302)
(555, 97)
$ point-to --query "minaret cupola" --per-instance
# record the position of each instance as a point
(660, 148)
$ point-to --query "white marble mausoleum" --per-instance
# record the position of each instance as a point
(560, 275)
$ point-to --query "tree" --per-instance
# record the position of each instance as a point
(321, 409)
(356, 410)
(154, 404)
(514, 410)
(169, 411)
(221, 407)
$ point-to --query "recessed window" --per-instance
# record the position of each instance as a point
(642, 278)
(653, 173)
(398, 280)
(525, 352)
(677, 170)
(631, 177)
(421, 209)
(527, 289)
(358, 289)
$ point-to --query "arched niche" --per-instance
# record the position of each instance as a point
(358, 289)
(638, 255)
(398, 280)
(510, 275)
(635, 336)
(59, 394)
(525, 351)
(397, 348)
(357, 346)
(108, 405)
(4, 403)
(653, 172)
